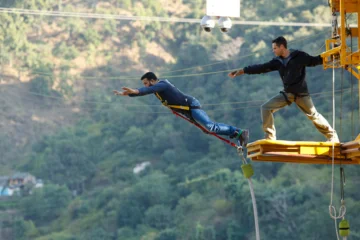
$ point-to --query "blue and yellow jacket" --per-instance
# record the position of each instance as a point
(168, 94)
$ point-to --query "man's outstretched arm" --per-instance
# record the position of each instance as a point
(256, 69)
(126, 91)
(236, 73)
(159, 87)
(312, 61)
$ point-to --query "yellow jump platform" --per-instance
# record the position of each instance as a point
(351, 149)
(299, 152)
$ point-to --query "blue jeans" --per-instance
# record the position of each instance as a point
(203, 119)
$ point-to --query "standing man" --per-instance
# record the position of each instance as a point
(291, 65)
(187, 105)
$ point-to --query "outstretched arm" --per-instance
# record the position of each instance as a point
(236, 73)
(311, 61)
(126, 91)
(158, 87)
(256, 69)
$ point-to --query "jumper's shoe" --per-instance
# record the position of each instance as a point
(242, 136)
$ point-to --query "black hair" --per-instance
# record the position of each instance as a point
(149, 76)
(280, 41)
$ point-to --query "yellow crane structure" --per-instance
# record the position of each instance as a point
(337, 55)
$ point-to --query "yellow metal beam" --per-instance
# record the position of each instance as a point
(332, 51)
(351, 6)
(353, 58)
(358, 33)
(357, 138)
(303, 159)
(354, 32)
(342, 32)
(304, 152)
(351, 149)
(354, 72)
(348, 60)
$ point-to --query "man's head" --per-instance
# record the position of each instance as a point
(279, 46)
(149, 79)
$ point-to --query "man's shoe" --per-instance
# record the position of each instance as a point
(244, 138)
(235, 134)
(334, 139)
(272, 139)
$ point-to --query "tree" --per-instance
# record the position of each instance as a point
(159, 217)
(97, 233)
(68, 52)
(42, 81)
(46, 204)
(66, 161)
(24, 229)
(167, 234)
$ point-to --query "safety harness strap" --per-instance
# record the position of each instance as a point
(286, 97)
(296, 95)
(192, 121)
(186, 108)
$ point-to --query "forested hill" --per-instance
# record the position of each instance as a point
(61, 123)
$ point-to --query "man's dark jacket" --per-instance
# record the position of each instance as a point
(293, 73)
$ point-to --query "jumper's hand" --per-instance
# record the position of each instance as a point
(116, 92)
(126, 91)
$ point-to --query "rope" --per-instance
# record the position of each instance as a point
(240, 152)
(257, 231)
(342, 210)
(252, 193)
(92, 107)
(341, 102)
(342, 183)
(145, 18)
(261, 52)
(332, 209)
(352, 95)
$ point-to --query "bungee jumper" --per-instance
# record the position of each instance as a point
(291, 65)
(185, 106)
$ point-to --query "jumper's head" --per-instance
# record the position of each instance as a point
(279, 46)
(149, 79)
